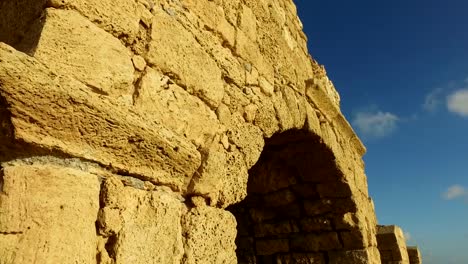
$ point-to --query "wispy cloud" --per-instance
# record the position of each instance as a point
(433, 100)
(457, 102)
(375, 124)
(454, 192)
(407, 236)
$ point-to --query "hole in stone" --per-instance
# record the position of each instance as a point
(295, 198)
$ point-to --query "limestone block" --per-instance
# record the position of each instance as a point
(302, 258)
(265, 118)
(48, 214)
(176, 52)
(315, 224)
(294, 105)
(61, 113)
(181, 112)
(365, 256)
(213, 17)
(69, 44)
(233, 187)
(248, 23)
(391, 238)
(278, 228)
(207, 181)
(149, 223)
(414, 255)
(272, 246)
(271, 177)
(247, 137)
(324, 241)
(209, 236)
(120, 17)
(285, 119)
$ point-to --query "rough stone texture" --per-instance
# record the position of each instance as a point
(414, 255)
(47, 214)
(215, 135)
(392, 245)
(209, 236)
(69, 44)
(141, 226)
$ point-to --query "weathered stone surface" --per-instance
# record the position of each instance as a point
(48, 214)
(188, 111)
(369, 255)
(392, 240)
(146, 226)
(414, 255)
(71, 45)
(57, 112)
(189, 62)
(209, 236)
(119, 17)
(316, 242)
(184, 114)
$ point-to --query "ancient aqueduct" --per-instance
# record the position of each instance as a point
(176, 131)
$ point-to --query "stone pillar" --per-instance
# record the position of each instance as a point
(392, 245)
(414, 255)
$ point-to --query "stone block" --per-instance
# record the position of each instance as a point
(324, 241)
(176, 52)
(365, 256)
(414, 255)
(391, 238)
(271, 246)
(120, 17)
(275, 229)
(69, 44)
(48, 214)
(209, 236)
(149, 222)
(181, 112)
(58, 112)
(301, 258)
(315, 224)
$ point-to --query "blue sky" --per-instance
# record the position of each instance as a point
(401, 68)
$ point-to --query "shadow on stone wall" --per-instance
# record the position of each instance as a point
(16, 18)
(294, 204)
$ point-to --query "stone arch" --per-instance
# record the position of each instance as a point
(297, 198)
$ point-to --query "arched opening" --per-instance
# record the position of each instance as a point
(296, 198)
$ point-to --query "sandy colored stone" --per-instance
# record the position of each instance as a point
(170, 40)
(138, 62)
(149, 224)
(71, 45)
(186, 111)
(119, 17)
(68, 116)
(48, 214)
(183, 113)
(391, 238)
(209, 236)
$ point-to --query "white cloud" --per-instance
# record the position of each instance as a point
(375, 124)
(454, 192)
(407, 236)
(433, 100)
(457, 102)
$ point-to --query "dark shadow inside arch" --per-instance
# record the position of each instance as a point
(296, 193)
(20, 20)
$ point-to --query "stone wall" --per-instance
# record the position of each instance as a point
(392, 245)
(414, 255)
(173, 131)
